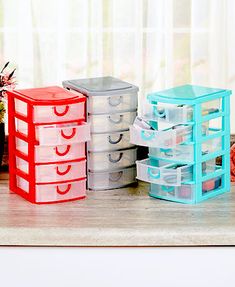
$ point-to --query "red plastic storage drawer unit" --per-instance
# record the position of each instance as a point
(47, 136)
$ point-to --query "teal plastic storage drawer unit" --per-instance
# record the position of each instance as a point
(187, 130)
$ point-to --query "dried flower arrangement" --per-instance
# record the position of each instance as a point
(7, 82)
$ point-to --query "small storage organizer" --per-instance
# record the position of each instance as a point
(111, 109)
(47, 136)
(187, 130)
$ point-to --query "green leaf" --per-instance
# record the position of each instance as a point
(5, 67)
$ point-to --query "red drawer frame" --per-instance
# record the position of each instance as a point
(31, 139)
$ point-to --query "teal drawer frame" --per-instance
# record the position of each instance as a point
(195, 96)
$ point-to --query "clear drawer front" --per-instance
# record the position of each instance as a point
(162, 172)
(109, 141)
(100, 161)
(111, 122)
(45, 173)
(112, 104)
(111, 179)
(160, 138)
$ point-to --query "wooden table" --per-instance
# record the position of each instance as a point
(121, 217)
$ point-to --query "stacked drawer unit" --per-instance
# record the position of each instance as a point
(47, 135)
(187, 131)
(111, 109)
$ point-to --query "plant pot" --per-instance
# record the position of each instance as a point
(2, 141)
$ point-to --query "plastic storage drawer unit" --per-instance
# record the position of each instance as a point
(187, 130)
(47, 135)
(111, 108)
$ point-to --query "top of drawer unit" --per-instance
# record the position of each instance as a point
(48, 105)
(49, 96)
(188, 94)
(100, 86)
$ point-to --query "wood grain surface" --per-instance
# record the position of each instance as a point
(121, 217)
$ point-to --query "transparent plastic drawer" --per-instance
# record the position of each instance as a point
(179, 153)
(212, 145)
(47, 173)
(21, 107)
(167, 113)
(57, 134)
(113, 103)
(47, 114)
(109, 141)
(111, 179)
(100, 161)
(185, 152)
(171, 113)
(111, 122)
(22, 184)
(213, 127)
(53, 153)
(184, 193)
(211, 107)
(210, 166)
(211, 185)
(163, 173)
(160, 138)
(46, 193)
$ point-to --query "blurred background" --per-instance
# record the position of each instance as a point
(155, 44)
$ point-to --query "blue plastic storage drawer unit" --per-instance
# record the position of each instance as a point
(187, 129)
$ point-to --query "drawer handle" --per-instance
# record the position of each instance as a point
(65, 191)
(157, 113)
(61, 114)
(170, 178)
(117, 141)
(168, 152)
(63, 172)
(62, 153)
(167, 188)
(117, 121)
(68, 136)
(146, 137)
(165, 150)
(115, 160)
(115, 103)
(153, 174)
(116, 178)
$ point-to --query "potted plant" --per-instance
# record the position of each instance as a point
(7, 82)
